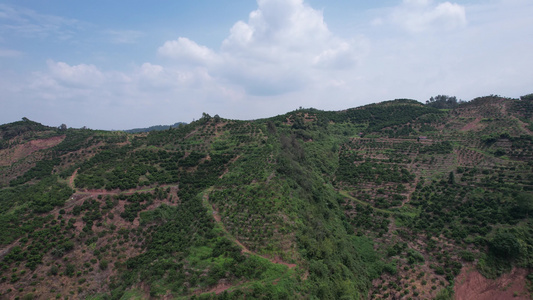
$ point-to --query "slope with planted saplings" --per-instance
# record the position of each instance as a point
(385, 201)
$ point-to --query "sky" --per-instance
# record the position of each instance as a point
(118, 65)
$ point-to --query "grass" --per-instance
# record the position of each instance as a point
(198, 255)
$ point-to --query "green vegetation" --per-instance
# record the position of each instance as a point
(154, 128)
(387, 200)
(443, 102)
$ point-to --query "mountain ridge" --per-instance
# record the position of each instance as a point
(154, 128)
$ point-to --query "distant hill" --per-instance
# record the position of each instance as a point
(393, 200)
(154, 128)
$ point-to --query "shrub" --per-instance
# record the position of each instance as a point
(505, 245)
(467, 256)
(70, 269)
(103, 264)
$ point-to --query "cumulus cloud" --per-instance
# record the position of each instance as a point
(62, 81)
(144, 79)
(186, 50)
(425, 15)
(279, 25)
(275, 51)
(339, 57)
(151, 76)
(81, 75)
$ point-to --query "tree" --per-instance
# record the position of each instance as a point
(451, 178)
(525, 202)
(443, 102)
(528, 97)
(505, 245)
(271, 127)
(70, 269)
(63, 127)
(103, 264)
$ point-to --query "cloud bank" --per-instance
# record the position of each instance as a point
(424, 15)
(281, 57)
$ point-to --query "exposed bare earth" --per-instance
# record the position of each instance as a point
(471, 125)
(71, 179)
(96, 278)
(470, 285)
(12, 155)
(221, 286)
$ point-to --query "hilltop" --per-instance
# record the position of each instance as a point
(385, 201)
(154, 128)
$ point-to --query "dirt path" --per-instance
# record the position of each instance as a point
(228, 164)
(5, 251)
(219, 288)
(191, 133)
(72, 178)
(244, 249)
(346, 194)
(223, 285)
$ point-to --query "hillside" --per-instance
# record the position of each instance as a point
(154, 128)
(385, 201)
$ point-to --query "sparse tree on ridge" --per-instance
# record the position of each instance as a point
(443, 102)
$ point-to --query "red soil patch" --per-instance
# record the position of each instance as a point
(221, 286)
(277, 260)
(471, 125)
(470, 284)
(71, 179)
(11, 155)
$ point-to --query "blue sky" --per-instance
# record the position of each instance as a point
(126, 64)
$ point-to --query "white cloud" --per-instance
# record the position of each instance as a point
(108, 95)
(275, 51)
(150, 77)
(145, 79)
(284, 56)
(279, 25)
(424, 15)
(81, 75)
(485, 54)
(188, 51)
(339, 57)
